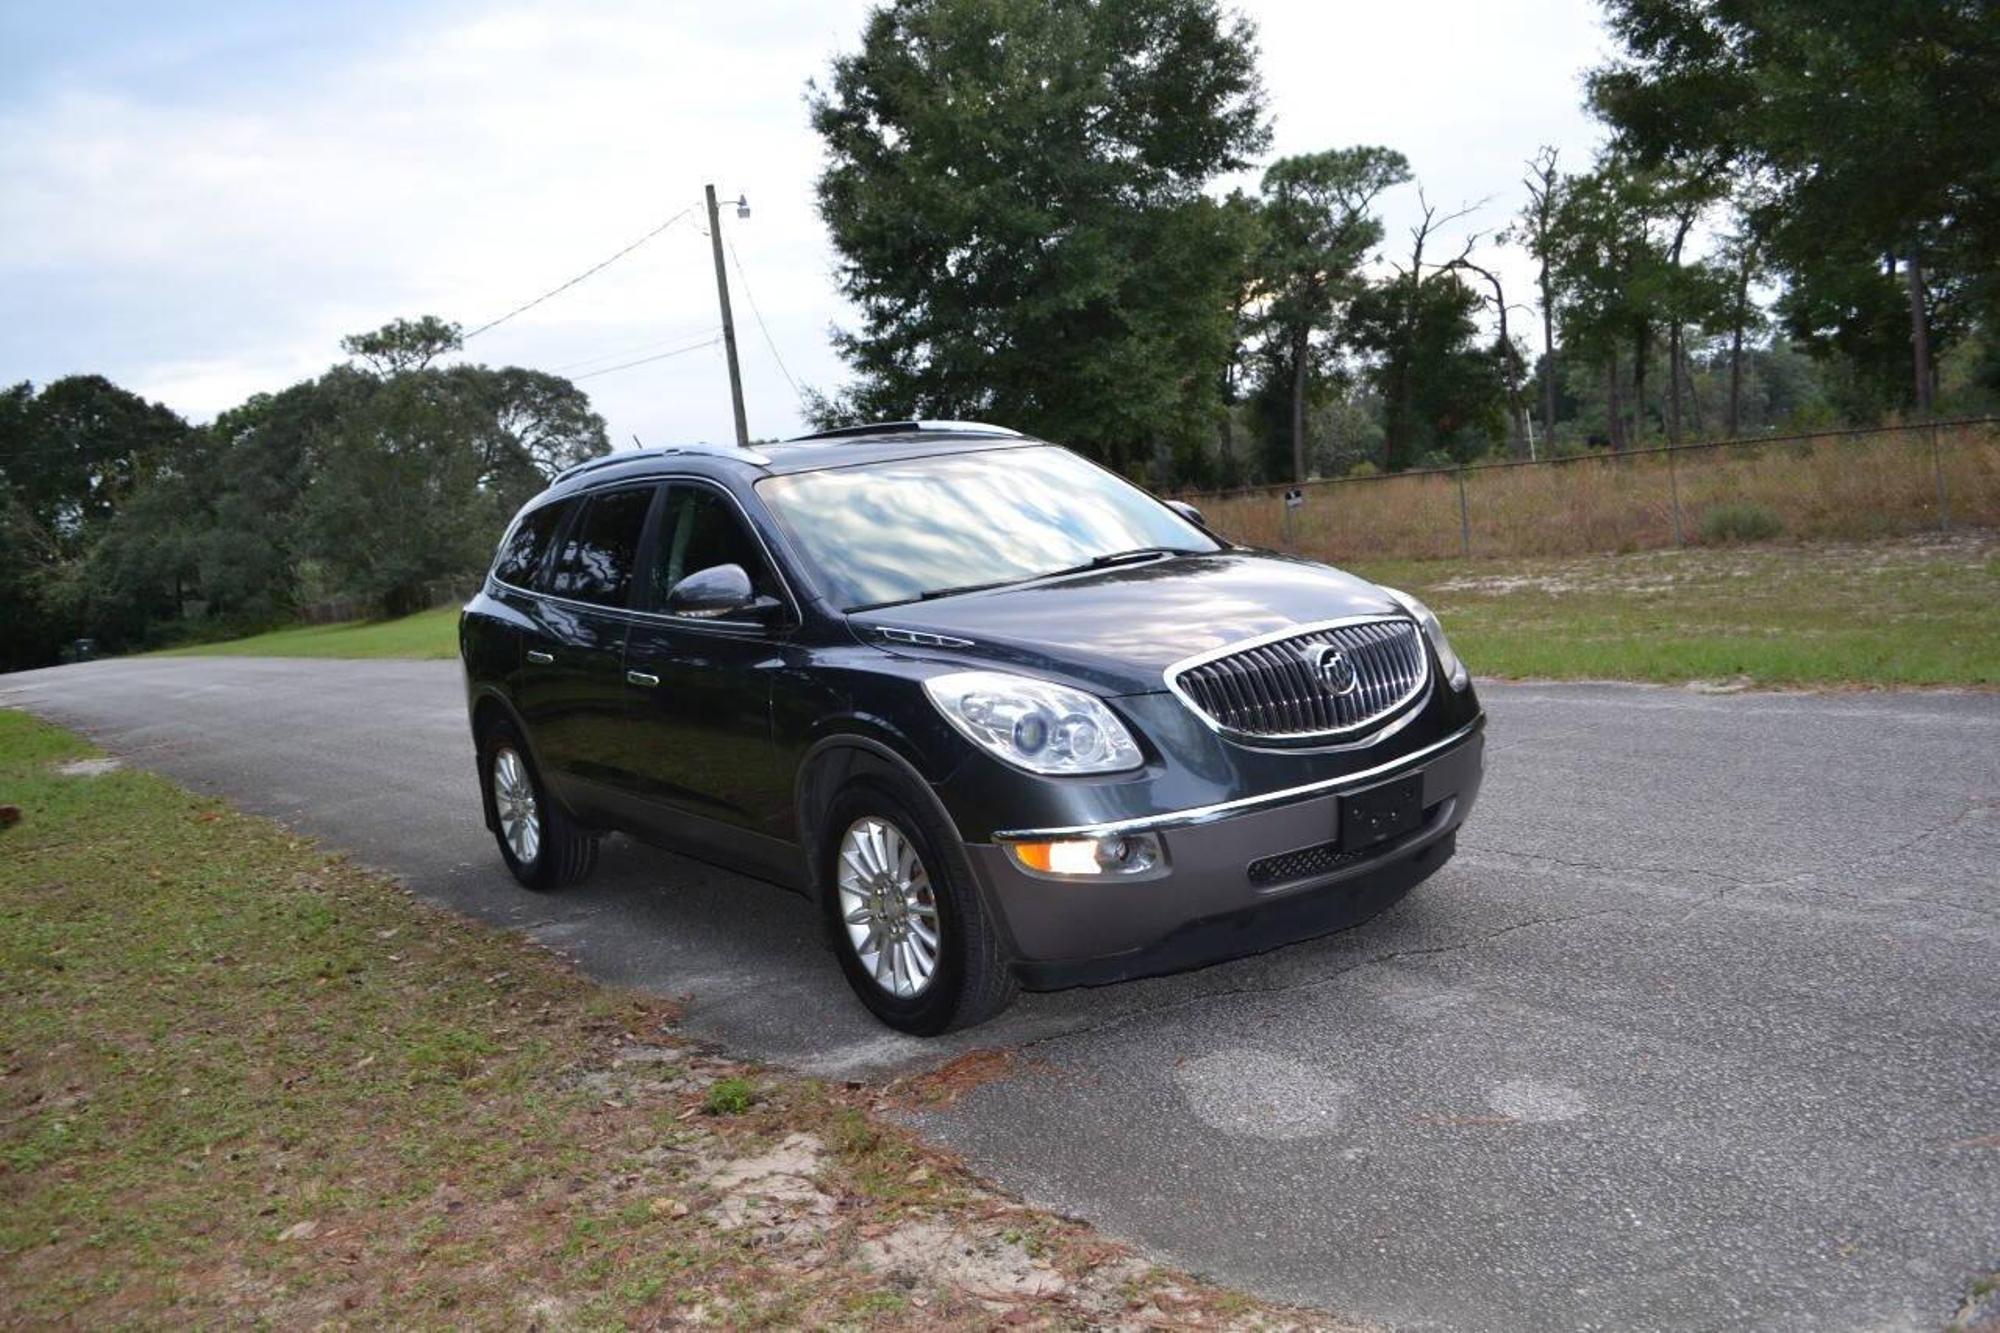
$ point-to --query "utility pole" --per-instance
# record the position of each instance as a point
(728, 323)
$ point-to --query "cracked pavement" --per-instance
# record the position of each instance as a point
(1700, 1029)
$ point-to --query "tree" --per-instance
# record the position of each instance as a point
(404, 345)
(1740, 256)
(395, 502)
(1247, 226)
(1318, 228)
(1423, 332)
(1616, 247)
(1684, 294)
(414, 470)
(1535, 229)
(1877, 127)
(267, 452)
(1441, 391)
(530, 426)
(120, 522)
(1015, 191)
(74, 450)
(72, 457)
(1507, 357)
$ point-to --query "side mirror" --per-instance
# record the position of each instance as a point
(1188, 512)
(720, 592)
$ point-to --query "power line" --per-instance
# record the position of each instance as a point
(595, 268)
(769, 341)
(646, 360)
(589, 361)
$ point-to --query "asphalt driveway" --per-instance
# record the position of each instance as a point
(1701, 1029)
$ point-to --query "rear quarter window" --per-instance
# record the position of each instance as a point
(523, 549)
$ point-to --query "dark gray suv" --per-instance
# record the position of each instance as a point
(1003, 717)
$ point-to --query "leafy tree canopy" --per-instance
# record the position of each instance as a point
(1015, 191)
(404, 345)
(1873, 129)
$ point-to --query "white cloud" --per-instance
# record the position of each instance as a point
(208, 244)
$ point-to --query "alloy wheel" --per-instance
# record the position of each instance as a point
(514, 801)
(888, 907)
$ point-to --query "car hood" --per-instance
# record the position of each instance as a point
(1117, 630)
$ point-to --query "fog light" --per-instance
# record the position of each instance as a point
(1129, 854)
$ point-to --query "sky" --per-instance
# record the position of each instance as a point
(198, 198)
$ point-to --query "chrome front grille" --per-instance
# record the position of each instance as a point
(1281, 687)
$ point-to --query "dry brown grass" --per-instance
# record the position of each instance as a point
(1852, 487)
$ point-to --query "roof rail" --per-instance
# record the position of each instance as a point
(906, 428)
(658, 451)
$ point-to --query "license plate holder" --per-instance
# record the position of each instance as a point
(1374, 816)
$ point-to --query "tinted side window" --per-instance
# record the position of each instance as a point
(700, 529)
(598, 555)
(520, 557)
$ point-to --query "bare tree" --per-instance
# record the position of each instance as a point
(1536, 231)
(1512, 372)
(1411, 280)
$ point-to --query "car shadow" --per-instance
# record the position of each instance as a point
(747, 961)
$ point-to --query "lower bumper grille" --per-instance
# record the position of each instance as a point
(1324, 858)
(1305, 863)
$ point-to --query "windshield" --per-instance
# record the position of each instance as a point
(893, 532)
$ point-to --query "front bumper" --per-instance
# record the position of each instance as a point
(1207, 906)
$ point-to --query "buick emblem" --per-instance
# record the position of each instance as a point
(1333, 668)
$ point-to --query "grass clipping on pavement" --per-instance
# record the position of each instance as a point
(243, 1081)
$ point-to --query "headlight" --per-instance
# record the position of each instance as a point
(1454, 669)
(1034, 724)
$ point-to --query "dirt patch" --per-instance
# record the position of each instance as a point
(989, 1266)
(774, 1191)
(89, 768)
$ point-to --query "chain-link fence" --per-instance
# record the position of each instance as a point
(1848, 484)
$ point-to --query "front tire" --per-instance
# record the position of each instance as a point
(541, 844)
(912, 936)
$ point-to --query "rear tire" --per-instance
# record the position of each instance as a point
(892, 868)
(541, 844)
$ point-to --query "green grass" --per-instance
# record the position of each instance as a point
(1905, 613)
(730, 1096)
(242, 1081)
(1909, 612)
(426, 634)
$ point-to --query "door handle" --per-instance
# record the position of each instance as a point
(645, 678)
(540, 658)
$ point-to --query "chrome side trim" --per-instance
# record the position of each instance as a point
(1386, 725)
(1208, 814)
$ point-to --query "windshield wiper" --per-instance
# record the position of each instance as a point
(1110, 558)
(1132, 556)
(934, 593)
